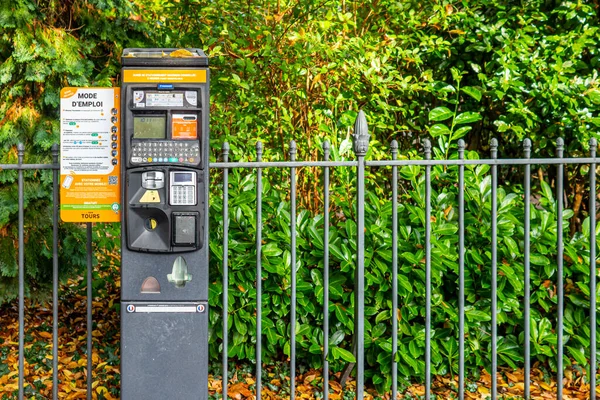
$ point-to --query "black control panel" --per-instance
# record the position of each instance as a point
(164, 125)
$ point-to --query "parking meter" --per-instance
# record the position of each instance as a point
(164, 271)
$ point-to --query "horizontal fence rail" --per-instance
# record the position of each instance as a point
(360, 166)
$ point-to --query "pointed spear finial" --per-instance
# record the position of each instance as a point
(361, 135)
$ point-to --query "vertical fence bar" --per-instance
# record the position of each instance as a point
(394, 148)
(89, 311)
(494, 153)
(293, 152)
(55, 197)
(326, 149)
(361, 145)
(559, 263)
(225, 379)
(20, 154)
(526, 267)
(259, 151)
(427, 150)
(461, 271)
(593, 147)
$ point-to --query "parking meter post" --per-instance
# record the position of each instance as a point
(164, 137)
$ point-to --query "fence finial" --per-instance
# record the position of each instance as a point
(593, 146)
(259, 150)
(560, 146)
(326, 150)
(494, 147)
(394, 146)
(293, 150)
(527, 148)
(427, 149)
(55, 150)
(361, 135)
(20, 152)
(461, 149)
(225, 149)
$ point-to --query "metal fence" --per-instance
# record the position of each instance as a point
(361, 143)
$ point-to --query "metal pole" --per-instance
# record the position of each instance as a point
(361, 145)
(394, 148)
(225, 379)
(461, 271)
(293, 151)
(20, 154)
(90, 326)
(326, 149)
(593, 344)
(55, 205)
(259, 150)
(526, 251)
(494, 344)
(427, 150)
(559, 273)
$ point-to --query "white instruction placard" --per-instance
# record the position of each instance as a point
(90, 155)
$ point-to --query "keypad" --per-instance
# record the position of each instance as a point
(181, 152)
(183, 195)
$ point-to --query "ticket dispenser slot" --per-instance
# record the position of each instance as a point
(164, 265)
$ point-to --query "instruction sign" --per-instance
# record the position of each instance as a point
(90, 155)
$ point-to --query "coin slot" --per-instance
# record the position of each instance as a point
(150, 224)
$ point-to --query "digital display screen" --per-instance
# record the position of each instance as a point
(183, 177)
(150, 127)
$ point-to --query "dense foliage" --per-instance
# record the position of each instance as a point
(44, 46)
(443, 70)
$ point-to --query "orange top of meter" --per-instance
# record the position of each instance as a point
(164, 75)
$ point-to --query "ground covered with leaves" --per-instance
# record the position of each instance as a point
(72, 357)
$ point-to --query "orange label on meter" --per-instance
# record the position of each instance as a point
(185, 126)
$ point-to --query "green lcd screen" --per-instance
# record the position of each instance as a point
(150, 127)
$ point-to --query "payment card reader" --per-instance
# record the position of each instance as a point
(164, 272)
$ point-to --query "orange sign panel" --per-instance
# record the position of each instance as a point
(165, 75)
(185, 126)
(90, 172)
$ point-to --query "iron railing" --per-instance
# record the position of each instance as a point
(361, 143)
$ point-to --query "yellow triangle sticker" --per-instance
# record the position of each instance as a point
(151, 196)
